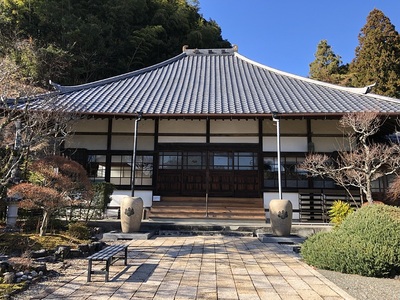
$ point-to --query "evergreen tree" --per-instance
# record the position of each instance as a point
(377, 57)
(326, 66)
(80, 41)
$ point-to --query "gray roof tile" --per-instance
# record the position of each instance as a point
(223, 82)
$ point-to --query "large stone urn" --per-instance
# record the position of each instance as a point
(131, 214)
(281, 212)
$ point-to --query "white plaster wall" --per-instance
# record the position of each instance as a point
(325, 127)
(117, 196)
(288, 144)
(293, 197)
(91, 125)
(330, 144)
(182, 126)
(234, 139)
(126, 142)
(286, 126)
(181, 139)
(122, 142)
(91, 142)
(128, 125)
(145, 143)
(146, 196)
(233, 126)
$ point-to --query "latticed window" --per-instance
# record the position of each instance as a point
(97, 167)
(292, 176)
(120, 169)
(144, 170)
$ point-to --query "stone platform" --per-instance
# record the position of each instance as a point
(117, 235)
(291, 239)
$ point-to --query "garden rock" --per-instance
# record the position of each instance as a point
(39, 253)
(84, 248)
(62, 252)
(5, 267)
(47, 259)
(75, 253)
(41, 267)
(9, 277)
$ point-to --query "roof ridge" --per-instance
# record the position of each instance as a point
(211, 51)
(71, 88)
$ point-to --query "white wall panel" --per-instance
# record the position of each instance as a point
(233, 126)
(330, 144)
(125, 142)
(325, 127)
(235, 139)
(288, 144)
(90, 142)
(145, 143)
(128, 125)
(182, 126)
(117, 196)
(286, 126)
(91, 125)
(181, 139)
(293, 197)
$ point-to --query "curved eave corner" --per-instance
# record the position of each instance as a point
(363, 90)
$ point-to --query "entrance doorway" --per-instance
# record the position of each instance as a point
(218, 172)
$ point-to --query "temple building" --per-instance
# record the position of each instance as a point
(206, 131)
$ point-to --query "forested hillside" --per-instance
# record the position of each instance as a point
(73, 42)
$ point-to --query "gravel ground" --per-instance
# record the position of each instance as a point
(369, 288)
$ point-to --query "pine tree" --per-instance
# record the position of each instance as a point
(377, 57)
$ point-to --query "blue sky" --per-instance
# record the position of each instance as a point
(284, 34)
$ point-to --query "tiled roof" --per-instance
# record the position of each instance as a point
(209, 82)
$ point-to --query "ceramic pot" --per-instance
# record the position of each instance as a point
(281, 212)
(131, 214)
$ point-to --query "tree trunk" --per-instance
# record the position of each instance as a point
(45, 222)
(368, 191)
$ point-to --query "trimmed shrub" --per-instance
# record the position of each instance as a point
(79, 230)
(366, 243)
(339, 211)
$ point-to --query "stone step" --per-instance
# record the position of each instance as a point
(219, 208)
(203, 215)
(204, 232)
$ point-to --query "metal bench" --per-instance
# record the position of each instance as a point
(108, 255)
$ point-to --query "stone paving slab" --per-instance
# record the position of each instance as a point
(196, 267)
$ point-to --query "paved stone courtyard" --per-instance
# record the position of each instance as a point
(196, 267)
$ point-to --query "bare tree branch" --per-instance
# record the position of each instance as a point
(42, 130)
(364, 162)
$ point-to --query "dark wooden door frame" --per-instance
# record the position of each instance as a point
(210, 182)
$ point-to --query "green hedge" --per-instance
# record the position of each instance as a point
(366, 243)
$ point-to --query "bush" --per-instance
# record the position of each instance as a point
(79, 231)
(339, 211)
(366, 243)
(57, 225)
